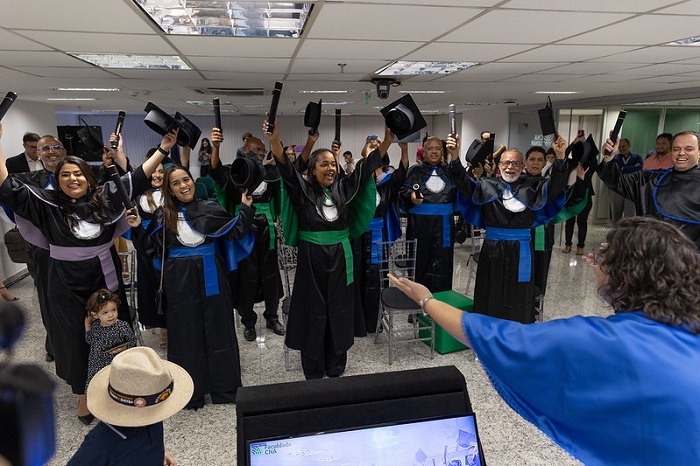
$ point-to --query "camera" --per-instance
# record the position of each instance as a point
(383, 86)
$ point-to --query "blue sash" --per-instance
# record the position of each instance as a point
(445, 210)
(207, 251)
(523, 236)
(375, 228)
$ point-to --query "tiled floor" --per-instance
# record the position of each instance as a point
(207, 437)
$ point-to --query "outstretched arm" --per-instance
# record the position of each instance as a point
(446, 316)
(167, 143)
(216, 139)
(275, 143)
(3, 167)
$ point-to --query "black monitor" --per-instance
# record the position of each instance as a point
(298, 414)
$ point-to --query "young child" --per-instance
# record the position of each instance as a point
(106, 335)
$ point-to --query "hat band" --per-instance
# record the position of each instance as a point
(140, 401)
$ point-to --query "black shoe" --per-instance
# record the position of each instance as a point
(49, 357)
(195, 405)
(87, 419)
(249, 334)
(276, 326)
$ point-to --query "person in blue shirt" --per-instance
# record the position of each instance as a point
(609, 390)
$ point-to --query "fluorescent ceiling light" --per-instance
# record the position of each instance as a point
(337, 103)
(407, 68)
(557, 92)
(323, 92)
(224, 18)
(89, 89)
(686, 41)
(205, 102)
(421, 92)
(134, 62)
(59, 99)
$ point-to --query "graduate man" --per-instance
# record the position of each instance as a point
(671, 195)
(508, 207)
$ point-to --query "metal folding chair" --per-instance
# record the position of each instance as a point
(399, 317)
(287, 257)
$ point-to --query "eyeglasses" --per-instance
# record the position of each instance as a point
(51, 148)
(508, 163)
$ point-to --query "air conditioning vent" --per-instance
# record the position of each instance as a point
(234, 91)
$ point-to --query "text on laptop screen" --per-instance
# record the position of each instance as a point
(450, 441)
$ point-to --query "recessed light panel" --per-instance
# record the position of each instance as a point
(134, 62)
(409, 68)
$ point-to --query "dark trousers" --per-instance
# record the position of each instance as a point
(582, 221)
(329, 363)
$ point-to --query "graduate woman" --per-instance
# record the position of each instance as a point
(78, 223)
(198, 306)
(321, 314)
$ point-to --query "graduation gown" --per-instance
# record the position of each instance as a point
(201, 334)
(620, 390)
(504, 277)
(257, 277)
(148, 276)
(384, 227)
(323, 291)
(81, 261)
(667, 195)
(430, 223)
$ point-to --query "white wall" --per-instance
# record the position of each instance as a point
(21, 118)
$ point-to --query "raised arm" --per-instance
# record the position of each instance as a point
(308, 147)
(275, 143)
(217, 138)
(119, 156)
(167, 143)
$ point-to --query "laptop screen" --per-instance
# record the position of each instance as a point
(449, 441)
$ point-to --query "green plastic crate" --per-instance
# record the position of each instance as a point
(444, 342)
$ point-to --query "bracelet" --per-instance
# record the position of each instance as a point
(424, 301)
(163, 151)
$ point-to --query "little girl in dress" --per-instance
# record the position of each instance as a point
(106, 335)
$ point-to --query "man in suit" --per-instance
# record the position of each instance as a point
(27, 161)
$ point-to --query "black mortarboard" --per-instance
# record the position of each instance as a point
(247, 172)
(546, 115)
(478, 151)
(312, 115)
(189, 132)
(90, 139)
(162, 123)
(585, 152)
(403, 118)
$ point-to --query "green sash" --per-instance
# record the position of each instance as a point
(328, 238)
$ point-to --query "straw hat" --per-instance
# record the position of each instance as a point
(138, 389)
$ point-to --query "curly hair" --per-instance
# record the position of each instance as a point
(652, 266)
(99, 298)
(99, 205)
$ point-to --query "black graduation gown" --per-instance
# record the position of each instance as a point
(367, 286)
(434, 233)
(321, 295)
(71, 282)
(667, 195)
(258, 277)
(148, 276)
(201, 334)
(498, 291)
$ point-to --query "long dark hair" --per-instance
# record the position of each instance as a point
(653, 266)
(333, 190)
(98, 205)
(171, 206)
(206, 149)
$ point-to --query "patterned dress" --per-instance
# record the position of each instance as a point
(102, 339)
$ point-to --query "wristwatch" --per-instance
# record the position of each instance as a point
(424, 301)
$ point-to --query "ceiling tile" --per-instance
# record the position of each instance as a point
(12, 41)
(642, 30)
(567, 53)
(138, 44)
(356, 49)
(453, 51)
(235, 46)
(248, 65)
(620, 6)
(15, 59)
(313, 65)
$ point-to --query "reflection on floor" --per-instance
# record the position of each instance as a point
(207, 437)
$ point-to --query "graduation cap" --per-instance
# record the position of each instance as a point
(312, 116)
(403, 118)
(478, 151)
(585, 152)
(420, 456)
(465, 438)
(247, 172)
(546, 115)
(162, 123)
(90, 139)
